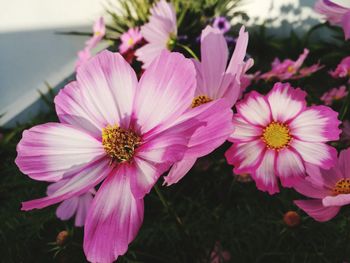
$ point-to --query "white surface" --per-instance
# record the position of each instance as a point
(30, 50)
(31, 53)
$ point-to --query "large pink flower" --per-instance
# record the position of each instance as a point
(277, 135)
(343, 69)
(113, 131)
(159, 32)
(77, 205)
(215, 84)
(330, 189)
(335, 14)
(99, 31)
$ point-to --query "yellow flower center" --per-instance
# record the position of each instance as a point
(97, 33)
(290, 69)
(276, 136)
(199, 100)
(130, 42)
(119, 144)
(342, 187)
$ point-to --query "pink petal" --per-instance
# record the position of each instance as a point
(316, 210)
(245, 157)
(254, 109)
(265, 175)
(148, 53)
(338, 200)
(316, 153)
(67, 208)
(113, 220)
(344, 163)
(179, 170)
(289, 166)
(286, 102)
(244, 131)
(217, 116)
(346, 25)
(105, 93)
(47, 151)
(239, 53)
(80, 182)
(165, 91)
(85, 202)
(316, 124)
(301, 59)
(214, 55)
(307, 188)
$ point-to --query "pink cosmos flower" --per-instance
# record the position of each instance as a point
(99, 31)
(222, 24)
(335, 14)
(343, 69)
(277, 135)
(113, 131)
(330, 189)
(159, 32)
(290, 69)
(130, 39)
(77, 205)
(214, 82)
(334, 94)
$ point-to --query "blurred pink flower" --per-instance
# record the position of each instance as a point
(130, 39)
(77, 205)
(288, 69)
(99, 31)
(218, 255)
(160, 32)
(330, 189)
(346, 130)
(335, 14)
(343, 69)
(270, 142)
(334, 94)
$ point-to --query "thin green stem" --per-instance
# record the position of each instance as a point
(188, 50)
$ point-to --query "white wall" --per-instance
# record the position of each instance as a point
(31, 53)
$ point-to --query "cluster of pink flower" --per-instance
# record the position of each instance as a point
(125, 134)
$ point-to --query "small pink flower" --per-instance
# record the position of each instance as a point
(330, 189)
(276, 135)
(77, 205)
(290, 69)
(343, 69)
(159, 32)
(218, 255)
(99, 31)
(216, 83)
(114, 133)
(335, 14)
(334, 94)
(346, 130)
(130, 39)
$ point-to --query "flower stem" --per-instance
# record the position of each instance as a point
(345, 106)
(189, 50)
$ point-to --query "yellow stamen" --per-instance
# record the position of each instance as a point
(199, 100)
(342, 187)
(130, 42)
(276, 135)
(119, 144)
(290, 69)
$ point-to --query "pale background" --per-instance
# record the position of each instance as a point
(31, 53)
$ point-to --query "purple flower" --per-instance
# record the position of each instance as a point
(222, 24)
